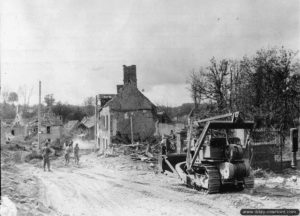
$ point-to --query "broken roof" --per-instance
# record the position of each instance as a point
(88, 122)
(130, 99)
(70, 125)
(48, 119)
(22, 122)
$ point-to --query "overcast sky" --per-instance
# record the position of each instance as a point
(77, 47)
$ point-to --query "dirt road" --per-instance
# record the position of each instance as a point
(115, 186)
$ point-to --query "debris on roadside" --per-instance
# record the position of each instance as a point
(7, 207)
(145, 152)
(260, 173)
(143, 157)
(110, 155)
(20, 189)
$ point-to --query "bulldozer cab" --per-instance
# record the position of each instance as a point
(222, 138)
(216, 135)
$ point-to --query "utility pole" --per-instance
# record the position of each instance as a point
(0, 91)
(0, 53)
(96, 103)
(39, 115)
(0, 96)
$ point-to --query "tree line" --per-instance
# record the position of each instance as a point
(68, 112)
(265, 87)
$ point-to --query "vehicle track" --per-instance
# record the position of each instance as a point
(95, 190)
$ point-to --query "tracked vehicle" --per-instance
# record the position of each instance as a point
(214, 154)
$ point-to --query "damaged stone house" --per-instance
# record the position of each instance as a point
(127, 115)
(87, 127)
(22, 128)
(71, 126)
(84, 129)
(51, 127)
(18, 128)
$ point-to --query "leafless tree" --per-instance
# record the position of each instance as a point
(5, 94)
(89, 101)
(218, 83)
(49, 100)
(212, 83)
(197, 86)
(26, 93)
(266, 85)
(89, 106)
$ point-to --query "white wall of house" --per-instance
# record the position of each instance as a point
(104, 130)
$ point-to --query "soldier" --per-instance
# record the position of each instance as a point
(163, 146)
(71, 147)
(46, 153)
(76, 154)
(163, 153)
(172, 135)
(67, 154)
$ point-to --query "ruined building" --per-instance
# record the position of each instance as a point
(51, 127)
(125, 115)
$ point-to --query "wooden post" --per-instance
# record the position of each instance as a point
(294, 146)
(281, 149)
(39, 115)
(189, 139)
(131, 127)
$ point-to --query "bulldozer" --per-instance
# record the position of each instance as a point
(211, 154)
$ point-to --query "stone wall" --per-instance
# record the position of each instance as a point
(143, 124)
(55, 133)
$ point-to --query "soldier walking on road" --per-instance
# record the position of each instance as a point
(46, 153)
(76, 154)
(71, 147)
(67, 154)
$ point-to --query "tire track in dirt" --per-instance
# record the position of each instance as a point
(76, 197)
(95, 190)
(161, 192)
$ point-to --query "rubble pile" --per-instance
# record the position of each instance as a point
(18, 188)
(144, 152)
(143, 157)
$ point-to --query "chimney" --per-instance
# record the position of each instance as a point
(129, 75)
(119, 88)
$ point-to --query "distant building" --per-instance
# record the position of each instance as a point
(87, 126)
(163, 117)
(129, 111)
(19, 126)
(71, 126)
(51, 127)
(84, 129)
